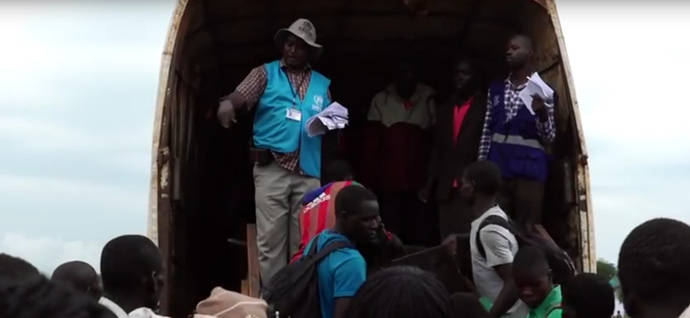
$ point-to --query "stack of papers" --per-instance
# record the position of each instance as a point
(335, 116)
(536, 86)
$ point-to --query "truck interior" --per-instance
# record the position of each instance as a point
(204, 178)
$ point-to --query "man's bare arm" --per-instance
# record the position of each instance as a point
(342, 304)
(509, 294)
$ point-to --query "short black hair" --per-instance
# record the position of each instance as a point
(527, 39)
(401, 292)
(338, 170)
(16, 269)
(78, 275)
(467, 305)
(485, 175)
(38, 298)
(654, 262)
(531, 258)
(349, 199)
(590, 295)
(126, 259)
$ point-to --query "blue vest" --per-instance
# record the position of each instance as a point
(515, 145)
(274, 131)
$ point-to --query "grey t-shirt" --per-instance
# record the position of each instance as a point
(500, 247)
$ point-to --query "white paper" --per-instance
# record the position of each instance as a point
(536, 86)
(335, 116)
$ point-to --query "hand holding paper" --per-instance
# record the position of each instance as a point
(335, 116)
(536, 87)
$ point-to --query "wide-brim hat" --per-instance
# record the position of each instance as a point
(303, 29)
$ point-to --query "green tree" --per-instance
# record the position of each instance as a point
(606, 269)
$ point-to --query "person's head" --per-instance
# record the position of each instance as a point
(401, 292)
(38, 298)
(131, 268)
(406, 78)
(338, 170)
(519, 51)
(467, 305)
(464, 74)
(357, 213)
(653, 268)
(79, 276)
(588, 296)
(532, 275)
(481, 178)
(16, 269)
(298, 43)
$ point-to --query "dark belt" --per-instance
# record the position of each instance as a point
(259, 156)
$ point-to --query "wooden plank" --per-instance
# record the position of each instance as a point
(253, 281)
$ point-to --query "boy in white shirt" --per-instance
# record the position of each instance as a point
(492, 267)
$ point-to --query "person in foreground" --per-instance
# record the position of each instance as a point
(38, 297)
(401, 292)
(342, 272)
(492, 271)
(653, 269)
(534, 281)
(79, 276)
(132, 273)
(588, 296)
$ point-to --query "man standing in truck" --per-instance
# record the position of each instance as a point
(287, 162)
(515, 135)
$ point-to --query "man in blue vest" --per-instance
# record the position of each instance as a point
(515, 138)
(287, 162)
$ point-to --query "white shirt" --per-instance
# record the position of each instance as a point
(144, 312)
(113, 307)
(500, 247)
(389, 108)
(686, 313)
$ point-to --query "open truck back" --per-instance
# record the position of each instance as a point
(201, 183)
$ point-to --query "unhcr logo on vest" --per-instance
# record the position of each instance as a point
(317, 106)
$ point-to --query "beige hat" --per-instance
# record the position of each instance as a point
(226, 304)
(303, 29)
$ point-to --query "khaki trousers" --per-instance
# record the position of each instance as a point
(278, 195)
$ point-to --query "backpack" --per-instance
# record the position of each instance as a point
(560, 262)
(293, 291)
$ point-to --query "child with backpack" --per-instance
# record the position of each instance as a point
(534, 281)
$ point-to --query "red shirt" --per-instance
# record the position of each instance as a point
(459, 112)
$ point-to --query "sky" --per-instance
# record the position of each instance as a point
(78, 89)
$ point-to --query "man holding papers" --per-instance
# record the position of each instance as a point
(519, 124)
(287, 161)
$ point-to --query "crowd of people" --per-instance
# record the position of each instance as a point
(328, 244)
(511, 280)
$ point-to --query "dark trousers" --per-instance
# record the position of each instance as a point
(523, 200)
(455, 217)
(405, 215)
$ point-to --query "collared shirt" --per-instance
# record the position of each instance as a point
(686, 313)
(253, 86)
(389, 108)
(545, 130)
(113, 307)
(550, 306)
(144, 312)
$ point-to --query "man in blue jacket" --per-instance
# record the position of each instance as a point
(287, 162)
(515, 138)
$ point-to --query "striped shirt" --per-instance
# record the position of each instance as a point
(545, 130)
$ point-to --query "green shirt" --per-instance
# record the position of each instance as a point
(551, 306)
